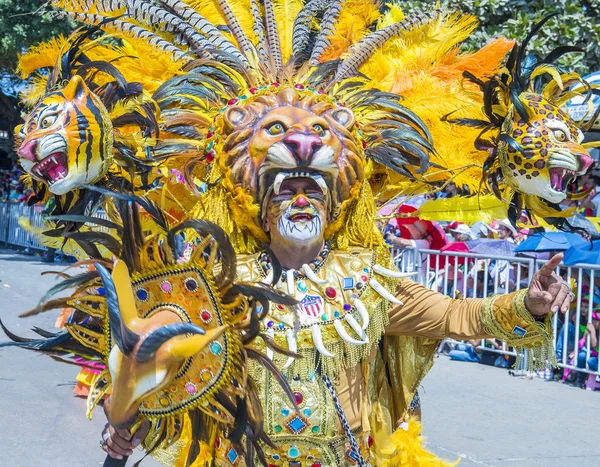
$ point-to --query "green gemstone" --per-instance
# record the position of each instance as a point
(316, 429)
(278, 428)
(324, 317)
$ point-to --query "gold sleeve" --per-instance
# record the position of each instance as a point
(431, 314)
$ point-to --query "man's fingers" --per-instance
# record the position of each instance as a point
(548, 268)
(566, 304)
(123, 433)
(561, 297)
(112, 445)
(141, 433)
(117, 438)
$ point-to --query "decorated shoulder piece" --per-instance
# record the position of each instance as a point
(174, 337)
(536, 149)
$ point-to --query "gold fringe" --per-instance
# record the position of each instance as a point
(538, 341)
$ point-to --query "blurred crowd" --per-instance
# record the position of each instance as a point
(11, 186)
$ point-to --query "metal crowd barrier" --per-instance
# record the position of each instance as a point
(451, 273)
(11, 233)
(470, 275)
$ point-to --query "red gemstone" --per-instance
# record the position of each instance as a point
(299, 86)
(218, 442)
(369, 442)
(364, 144)
(275, 84)
(330, 292)
(298, 397)
(210, 134)
(280, 307)
(205, 316)
(253, 90)
(316, 464)
(320, 91)
(364, 278)
(233, 101)
(210, 156)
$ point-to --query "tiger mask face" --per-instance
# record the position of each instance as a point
(284, 136)
(551, 154)
(67, 139)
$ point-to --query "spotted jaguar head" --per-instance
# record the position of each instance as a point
(543, 154)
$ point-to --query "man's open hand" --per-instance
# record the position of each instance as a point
(548, 293)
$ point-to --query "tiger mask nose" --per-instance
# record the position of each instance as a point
(303, 145)
(28, 150)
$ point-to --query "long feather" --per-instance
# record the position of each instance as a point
(327, 27)
(259, 30)
(272, 34)
(199, 22)
(235, 28)
(365, 48)
(301, 30)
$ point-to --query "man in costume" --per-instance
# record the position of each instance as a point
(291, 131)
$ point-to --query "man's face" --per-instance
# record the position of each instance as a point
(297, 214)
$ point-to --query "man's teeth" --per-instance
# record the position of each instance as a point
(281, 176)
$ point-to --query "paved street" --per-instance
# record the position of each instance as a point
(478, 413)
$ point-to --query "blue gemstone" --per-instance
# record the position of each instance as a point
(101, 291)
(336, 314)
(281, 325)
(297, 425)
(285, 412)
(270, 324)
(366, 269)
(302, 286)
(275, 456)
(293, 452)
(347, 307)
(216, 348)
(307, 412)
(348, 283)
(142, 294)
(232, 455)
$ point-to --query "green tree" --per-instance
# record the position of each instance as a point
(22, 24)
(578, 24)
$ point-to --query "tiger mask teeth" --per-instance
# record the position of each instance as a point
(53, 168)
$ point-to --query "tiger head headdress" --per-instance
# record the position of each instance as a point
(67, 139)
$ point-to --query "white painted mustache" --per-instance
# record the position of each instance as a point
(302, 232)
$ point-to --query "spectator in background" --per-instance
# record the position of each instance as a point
(449, 191)
(591, 203)
(506, 231)
(461, 233)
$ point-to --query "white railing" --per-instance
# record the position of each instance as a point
(11, 233)
(472, 275)
(452, 273)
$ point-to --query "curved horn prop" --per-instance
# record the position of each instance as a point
(124, 337)
(158, 337)
(289, 276)
(385, 293)
(391, 273)
(271, 334)
(292, 346)
(357, 329)
(363, 312)
(310, 274)
(318, 341)
(339, 327)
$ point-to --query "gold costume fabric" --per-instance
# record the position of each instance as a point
(400, 352)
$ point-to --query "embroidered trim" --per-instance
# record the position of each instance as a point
(537, 337)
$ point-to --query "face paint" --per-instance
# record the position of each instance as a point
(298, 213)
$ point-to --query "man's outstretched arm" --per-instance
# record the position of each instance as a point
(519, 318)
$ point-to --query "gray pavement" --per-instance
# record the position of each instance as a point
(470, 411)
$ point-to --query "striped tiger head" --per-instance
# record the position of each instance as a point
(66, 141)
